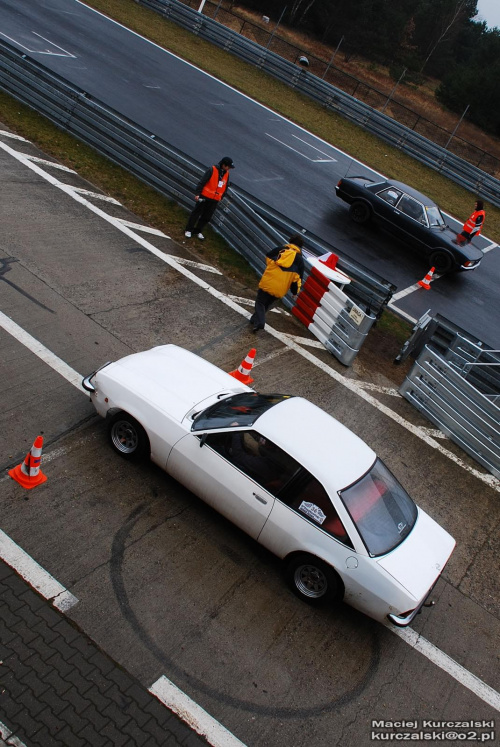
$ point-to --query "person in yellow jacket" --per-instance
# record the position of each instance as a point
(283, 273)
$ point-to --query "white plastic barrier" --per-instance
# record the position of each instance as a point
(333, 318)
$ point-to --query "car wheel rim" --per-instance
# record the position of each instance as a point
(311, 581)
(124, 437)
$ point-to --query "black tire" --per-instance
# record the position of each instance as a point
(442, 260)
(127, 437)
(312, 580)
(360, 212)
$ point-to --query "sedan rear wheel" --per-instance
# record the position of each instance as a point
(442, 260)
(360, 212)
(128, 437)
(312, 580)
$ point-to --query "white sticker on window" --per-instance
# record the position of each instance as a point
(313, 511)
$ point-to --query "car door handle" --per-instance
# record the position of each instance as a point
(260, 498)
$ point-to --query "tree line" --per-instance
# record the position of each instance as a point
(437, 38)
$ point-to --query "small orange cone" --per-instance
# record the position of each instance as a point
(243, 372)
(426, 282)
(28, 473)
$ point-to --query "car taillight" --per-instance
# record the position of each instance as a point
(469, 264)
(339, 182)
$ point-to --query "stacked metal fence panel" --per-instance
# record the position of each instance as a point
(455, 383)
(379, 124)
(249, 226)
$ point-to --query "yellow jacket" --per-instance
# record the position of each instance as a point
(285, 268)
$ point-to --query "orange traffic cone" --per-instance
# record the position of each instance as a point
(243, 372)
(28, 473)
(426, 282)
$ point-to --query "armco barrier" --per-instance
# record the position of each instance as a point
(249, 226)
(455, 383)
(436, 157)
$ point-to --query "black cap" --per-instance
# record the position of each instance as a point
(226, 161)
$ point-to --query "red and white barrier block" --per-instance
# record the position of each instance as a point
(327, 312)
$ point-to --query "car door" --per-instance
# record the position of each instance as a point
(385, 208)
(412, 221)
(238, 472)
(305, 519)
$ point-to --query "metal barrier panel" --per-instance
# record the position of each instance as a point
(455, 383)
(458, 408)
(248, 226)
(379, 124)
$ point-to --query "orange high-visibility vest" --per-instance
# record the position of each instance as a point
(473, 225)
(214, 189)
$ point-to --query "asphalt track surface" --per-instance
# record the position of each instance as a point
(165, 586)
(287, 167)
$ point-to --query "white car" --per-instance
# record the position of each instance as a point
(285, 472)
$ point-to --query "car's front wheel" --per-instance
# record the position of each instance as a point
(360, 212)
(442, 261)
(128, 437)
(312, 580)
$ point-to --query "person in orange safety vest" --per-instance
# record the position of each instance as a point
(209, 192)
(473, 226)
(283, 273)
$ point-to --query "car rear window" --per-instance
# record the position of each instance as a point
(381, 509)
(236, 411)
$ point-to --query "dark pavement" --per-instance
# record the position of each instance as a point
(58, 688)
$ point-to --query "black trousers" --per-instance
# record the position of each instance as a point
(263, 303)
(201, 215)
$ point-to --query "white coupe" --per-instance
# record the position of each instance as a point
(283, 470)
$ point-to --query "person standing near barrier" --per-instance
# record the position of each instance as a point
(473, 226)
(284, 271)
(209, 192)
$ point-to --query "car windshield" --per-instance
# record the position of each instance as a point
(381, 509)
(435, 216)
(236, 411)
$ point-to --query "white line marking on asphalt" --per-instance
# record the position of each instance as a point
(193, 714)
(353, 386)
(449, 665)
(89, 193)
(33, 573)
(66, 54)
(328, 159)
(251, 302)
(198, 265)
(291, 345)
(41, 351)
(4, 133)
(144, 229)
(491, 246)
(53, 164)
(6, 735)
(298, 152)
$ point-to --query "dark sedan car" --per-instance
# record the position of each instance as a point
(412, 217)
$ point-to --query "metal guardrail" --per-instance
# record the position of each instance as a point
(436, 157)
(455, 383)
(249, 226)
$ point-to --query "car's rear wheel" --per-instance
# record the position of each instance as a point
(128, 438)
(312, 580)
(360, 212)
(442, 260)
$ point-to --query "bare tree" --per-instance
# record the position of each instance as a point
(449, 21)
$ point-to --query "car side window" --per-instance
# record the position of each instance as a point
(309, 499)
(413, 209)
(256, 456)
(390, 195)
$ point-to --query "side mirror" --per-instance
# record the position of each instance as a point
(203, 439)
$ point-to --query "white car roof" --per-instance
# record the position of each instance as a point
(325, 447)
